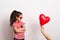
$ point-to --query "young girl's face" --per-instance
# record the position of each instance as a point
(19, 17)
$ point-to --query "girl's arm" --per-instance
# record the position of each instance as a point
(19, 29)
(45, 34)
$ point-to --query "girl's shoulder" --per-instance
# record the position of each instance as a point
(18, 23)
(14, 24)
(22, 22)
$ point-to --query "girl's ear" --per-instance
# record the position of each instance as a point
(16, 17)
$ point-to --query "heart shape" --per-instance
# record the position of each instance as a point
(43, 19)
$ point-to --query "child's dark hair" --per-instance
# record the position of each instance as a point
(13, 16)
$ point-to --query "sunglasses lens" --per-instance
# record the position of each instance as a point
(21, 17)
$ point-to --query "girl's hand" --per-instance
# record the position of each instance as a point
(22, 29)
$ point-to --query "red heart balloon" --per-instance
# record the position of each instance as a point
(44, 19)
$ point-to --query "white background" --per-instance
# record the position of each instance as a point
(31, 10)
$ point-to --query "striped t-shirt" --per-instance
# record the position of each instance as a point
(19, 35)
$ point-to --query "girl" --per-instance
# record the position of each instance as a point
(18, 25)
(44, 33)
